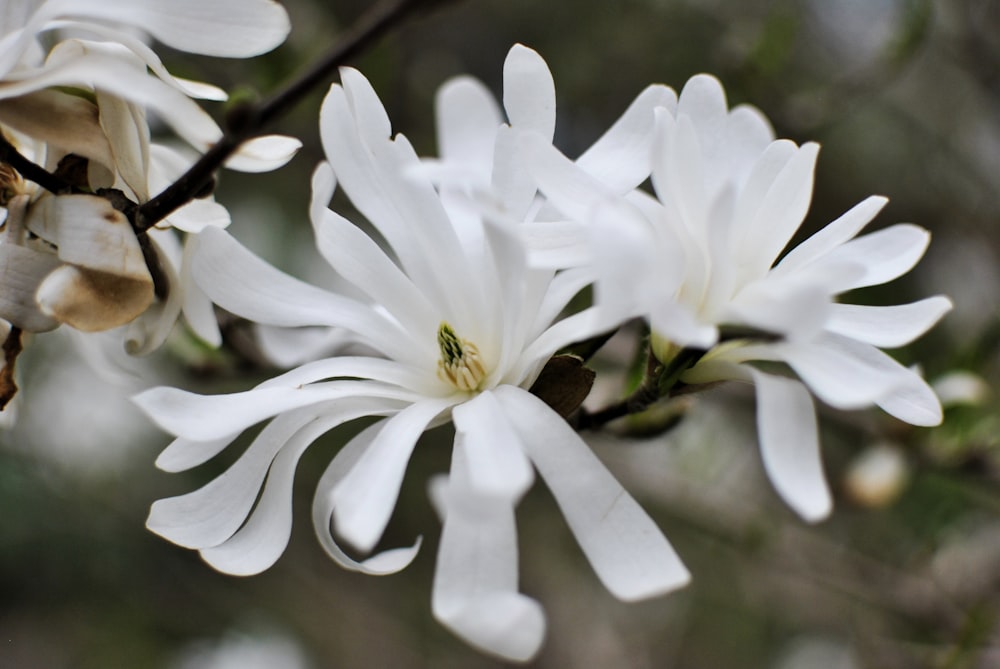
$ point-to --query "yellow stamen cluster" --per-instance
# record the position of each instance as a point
(460, 363)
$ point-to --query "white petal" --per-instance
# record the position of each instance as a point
(789, 444)
(793, 308)
(387, 562)
(184, 454)
(844, 373)
(529, 94)
(365, 497)
(210, 417)
(624, 546)
(622, 157)
(752, 194)
(497, 465)
(913, 401)
(228, 28)
(240, 282)
(784, 206)
(886, 254)
(263, 154)
(475, 583)
(199, 313)
(467, 120)
(889, 326)
(357, 258)
(833, 235)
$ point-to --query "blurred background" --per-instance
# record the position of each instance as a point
(903, 95)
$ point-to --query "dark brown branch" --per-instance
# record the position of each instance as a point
(248, 120)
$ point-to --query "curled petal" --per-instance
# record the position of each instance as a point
(475, 583)
(261, 541)
(387, 562)
(363, 500)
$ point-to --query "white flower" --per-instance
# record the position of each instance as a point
(465, 328)
(702, 255)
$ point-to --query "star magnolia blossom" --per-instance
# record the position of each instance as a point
(702, 254)
(463, 328)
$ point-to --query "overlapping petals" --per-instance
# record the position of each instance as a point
(464, 325)
(705, 254)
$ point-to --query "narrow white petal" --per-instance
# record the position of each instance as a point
(748, 134)
(497, 465)
(263, 154)
(387, 562)
(625, 547)
(784, 206)
(913, 401)
(475, 583)
(229, 28)
(529, 94)
(210, 417)
(467, 118)
(183, 454)
(789, 445)
(842, 372)
(752, 195)
(886, 254)
(242, 283)
(365, 497)
(357, 258)
(833, 235)
(793, 308)
(889, 326)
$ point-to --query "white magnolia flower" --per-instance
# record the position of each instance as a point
(464, 328)
(702, 255)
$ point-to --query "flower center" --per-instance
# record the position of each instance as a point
(460, 363)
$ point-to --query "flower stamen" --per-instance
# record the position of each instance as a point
(460, 363)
